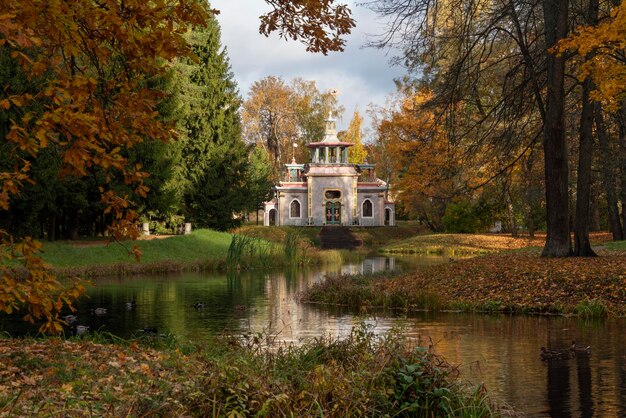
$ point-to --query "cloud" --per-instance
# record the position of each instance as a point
(362, 75)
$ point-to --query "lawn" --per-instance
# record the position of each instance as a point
(200, 245)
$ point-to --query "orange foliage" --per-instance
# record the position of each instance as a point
(319, 24)
(426, 164)
(95, 60)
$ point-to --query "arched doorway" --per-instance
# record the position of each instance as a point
(272, 216)
(387, 217)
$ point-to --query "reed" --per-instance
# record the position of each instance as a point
(298, 250)
(592, 308)
(247, 252)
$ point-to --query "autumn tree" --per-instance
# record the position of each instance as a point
(498, 81)
(427, 167)
(603, 70)
(278, 114)
(97, 60)
(354, 134)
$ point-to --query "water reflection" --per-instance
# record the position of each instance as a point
(501, 352)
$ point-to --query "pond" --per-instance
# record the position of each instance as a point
(501, 351)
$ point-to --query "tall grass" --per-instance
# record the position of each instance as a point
(361, 375)
(249, 252)
(298, 251)
(592, 308)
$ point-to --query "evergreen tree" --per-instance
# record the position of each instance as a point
(214, 158)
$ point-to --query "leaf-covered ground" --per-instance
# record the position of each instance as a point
(62, 378)
(473, 243)
(522, 281)
(515, 281)
(365, 375)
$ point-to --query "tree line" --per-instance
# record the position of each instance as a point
(87, 120)
(511, 108)
(204, 176)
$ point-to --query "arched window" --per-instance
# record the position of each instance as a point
(294, 209)
(368, 209)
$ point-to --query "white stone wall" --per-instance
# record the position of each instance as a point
(378, 205)
(362, 197)
(285, 200)
(318, 188)
(266, 213)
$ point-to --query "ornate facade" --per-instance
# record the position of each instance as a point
(329, 190)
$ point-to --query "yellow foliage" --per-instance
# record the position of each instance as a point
(353, 134)
(603, 45)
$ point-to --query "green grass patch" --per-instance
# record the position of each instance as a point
(249, 252)
(591, 308)
(616, 245)
(200, 245)
(372, 237)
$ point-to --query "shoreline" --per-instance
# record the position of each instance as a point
(518, 282)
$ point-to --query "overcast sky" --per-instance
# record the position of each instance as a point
(362, 75)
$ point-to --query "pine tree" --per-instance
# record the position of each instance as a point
(214, 157)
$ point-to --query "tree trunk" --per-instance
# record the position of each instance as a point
(582, 246)
(621, 119)
(74, 224)
(511, 213)
(607, 167)
(52, 227)
(554, 142)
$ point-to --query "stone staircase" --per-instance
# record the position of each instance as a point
(338, 237)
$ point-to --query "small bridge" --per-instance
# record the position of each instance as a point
(338, 238)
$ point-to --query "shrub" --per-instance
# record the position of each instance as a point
(460, 218)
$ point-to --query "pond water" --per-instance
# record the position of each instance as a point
(501, 352)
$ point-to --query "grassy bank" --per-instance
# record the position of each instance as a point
(201, 250)
(515, 281)
(200, 245)
(372, 237)
(461, 244)
(473, 244)
(360, 376)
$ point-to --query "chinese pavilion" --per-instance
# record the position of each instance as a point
(329, 190)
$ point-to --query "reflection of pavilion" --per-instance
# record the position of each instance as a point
(370, 266)
(329, 190)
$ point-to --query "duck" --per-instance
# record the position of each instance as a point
(131, 305)
(150, 330)
(99, 311)
(550, 354)
(578, 349)
(240, 308)
(71, 319)
(198, 305)
(81, 329)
